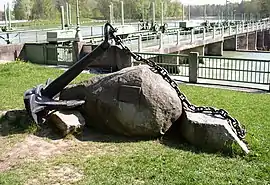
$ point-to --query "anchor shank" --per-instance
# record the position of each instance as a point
(62, 81)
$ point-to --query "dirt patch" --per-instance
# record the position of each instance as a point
(32, 148)
(61, 174)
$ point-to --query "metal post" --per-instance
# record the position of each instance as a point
(161, 40)
(236, 31)
(5, 10)
(62, 17)
(78, 35)
(9, 16)
(193, 66)
(230, 30)
(153, 13)
(222, 31)
(110, 13)
(162, 16)
(140, 43)
(205, 12)
(222, 16)
(36, 36)
(183, 12)
(192, 36)
(178, 37)
(204, 34)
(67, 14)
(122, 13)
(189, 12)
(243, 26)
(214, 32)
(70, 17)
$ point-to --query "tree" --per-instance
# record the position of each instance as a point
(22, 9)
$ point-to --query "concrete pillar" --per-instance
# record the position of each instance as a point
(189, 12)
(70, 17)
(77, 47)
(5, 12)
(215, 49)
(67, 14)
(153, 12)
(78, 35)
(9, 17)
(192, 36)
(161, 41)
(183, 12)
(140, 43)
(62, 18)
(193, 66)
(162, 12)
(203, 34)
(110, 14)
(178, 37)
(122, 13)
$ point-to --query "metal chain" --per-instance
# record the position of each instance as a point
(234, 123)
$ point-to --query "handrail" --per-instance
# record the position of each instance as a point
(231, 58)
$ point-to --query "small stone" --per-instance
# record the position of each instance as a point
(67, 121)
(209, 132)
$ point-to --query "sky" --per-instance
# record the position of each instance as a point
(2, 2)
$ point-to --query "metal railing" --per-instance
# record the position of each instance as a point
(175, 64)
(250, 71)
(234, 69)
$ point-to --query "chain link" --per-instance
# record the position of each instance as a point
(234, 123)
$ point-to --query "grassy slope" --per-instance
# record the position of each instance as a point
(150, 162)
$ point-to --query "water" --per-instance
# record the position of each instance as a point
(247, 55)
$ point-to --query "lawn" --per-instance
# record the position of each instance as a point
(105, 159)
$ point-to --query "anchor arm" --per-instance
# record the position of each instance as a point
(40, 100)
(62, 81)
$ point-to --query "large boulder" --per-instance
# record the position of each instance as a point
(134, 101)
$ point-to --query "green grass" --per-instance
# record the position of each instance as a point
(46, 24)
(111, 161)
(17, 77)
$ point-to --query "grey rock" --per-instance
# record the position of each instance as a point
(209, 132)
(134, 101)
(67, 121)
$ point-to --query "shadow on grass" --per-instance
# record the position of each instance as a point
(19, 122)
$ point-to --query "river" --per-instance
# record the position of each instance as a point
(247, 55)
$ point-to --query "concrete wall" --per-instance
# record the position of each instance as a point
(252, 41)
(267, 40)
(11, 52)
(114, 59)
(242, 42)
(35, 53)
(215, 49)
(229, 44)
(260, 40)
